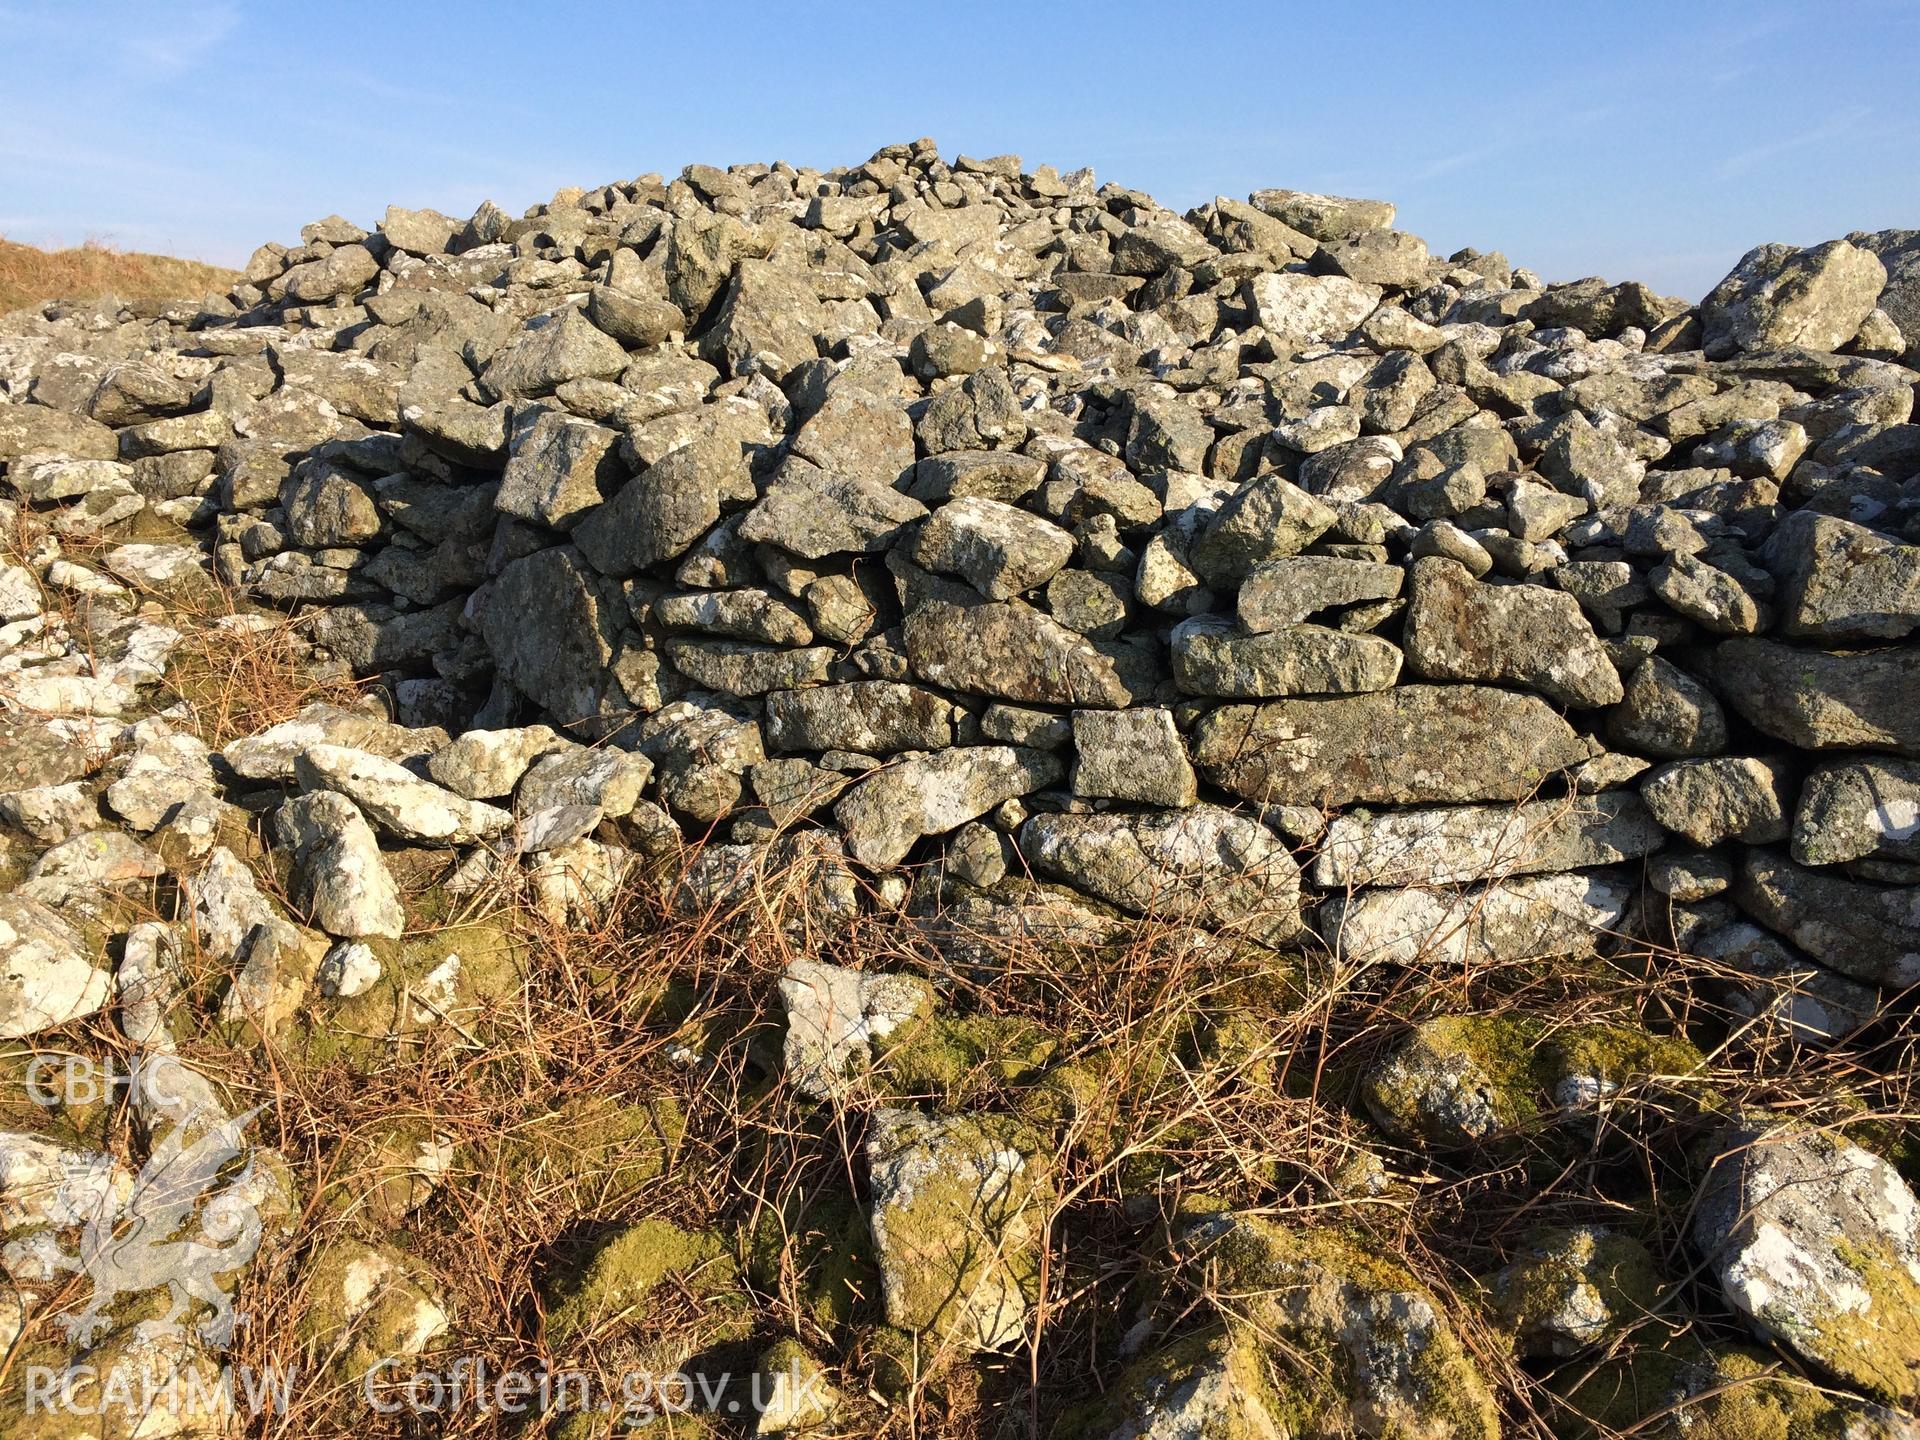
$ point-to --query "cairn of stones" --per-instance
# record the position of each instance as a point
(999, 555)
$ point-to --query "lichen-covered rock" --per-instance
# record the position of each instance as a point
(1459, 628)
(1352, 1342)
(338, 876)
(1870, 932)
(396, 800)
(367, 1304)
(1841, 582)
(1460, 844)
(1854, 809)
(873, 717)
(1411, 745)
(1135, 755)
(958, 1216)
(1000, 549)
(1205, 866)
(1821, 700)
(1010, 651)
(1742, 798)
(1817, 1242)
(1213, 656)
(887, 812)
(47, 975)
(1779, 297)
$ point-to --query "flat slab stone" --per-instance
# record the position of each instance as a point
(1460, 844)
(1213, 656)
(1204, 866)
(1411, 745)
(1822, 700)
(1525, 919)
(931, 794)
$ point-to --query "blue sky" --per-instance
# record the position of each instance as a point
(1652, 141)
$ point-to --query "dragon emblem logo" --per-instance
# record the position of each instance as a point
(185, 1222)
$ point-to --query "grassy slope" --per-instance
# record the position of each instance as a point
(29, 276)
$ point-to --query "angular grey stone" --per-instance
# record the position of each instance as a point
(551, 625)
(610, 780)
(741, 614)
(396, 800)
(557, 469)
(1411, 745)
(1729, 797)
(1009, 650)
(931, 794)
(1460, 629)
(1856, 809)
(1286, 591)
(338, 877)
(1202, 866)
(1134, 755)
(872, 717)
(1816, 700)
(1842, 581)
(1784, 993)
(1668, 714)
(1212, 656)
(767, 323)
(550, 352)
(1778, 297)
(1462, 844)
(270, 755)
(814, 513)
(1323, 217)
(47, 976)
(1709, 595)
(836, 1017)
(658, 516)
(487, 764)
(999, 549)
(734, 667)
(1869, 932)
(1265, 519)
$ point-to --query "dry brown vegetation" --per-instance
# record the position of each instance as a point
(29, 276)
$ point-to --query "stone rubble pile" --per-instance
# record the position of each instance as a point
(1008, 553)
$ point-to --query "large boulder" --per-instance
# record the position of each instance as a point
(1817, 1243)
(1461, 629)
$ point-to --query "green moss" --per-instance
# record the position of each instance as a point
(958, 1057)
(612, 1290)
(1718, 1392)
(406, 1001)
(593, 1155)
(1872, 1349)
(365, 1304)
(818, 1251)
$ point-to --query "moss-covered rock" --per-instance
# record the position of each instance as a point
(1353, 1342)
(1817, 1243)
(791, 1392)
(366, 1304)
(1681, 1389)
(1574, 1287)
(1210, 1386)
(959, 1211)
(592, 1155)
(959, 1057)
(1462, 1079)
(610, 1292)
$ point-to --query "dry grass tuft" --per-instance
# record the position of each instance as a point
(30, 276)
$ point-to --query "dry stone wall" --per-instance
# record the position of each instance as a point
(1008, 553)
(891, 500)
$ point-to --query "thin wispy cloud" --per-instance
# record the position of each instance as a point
(1754, 156)
(165, 41)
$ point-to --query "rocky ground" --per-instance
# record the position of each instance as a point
(946, 803)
